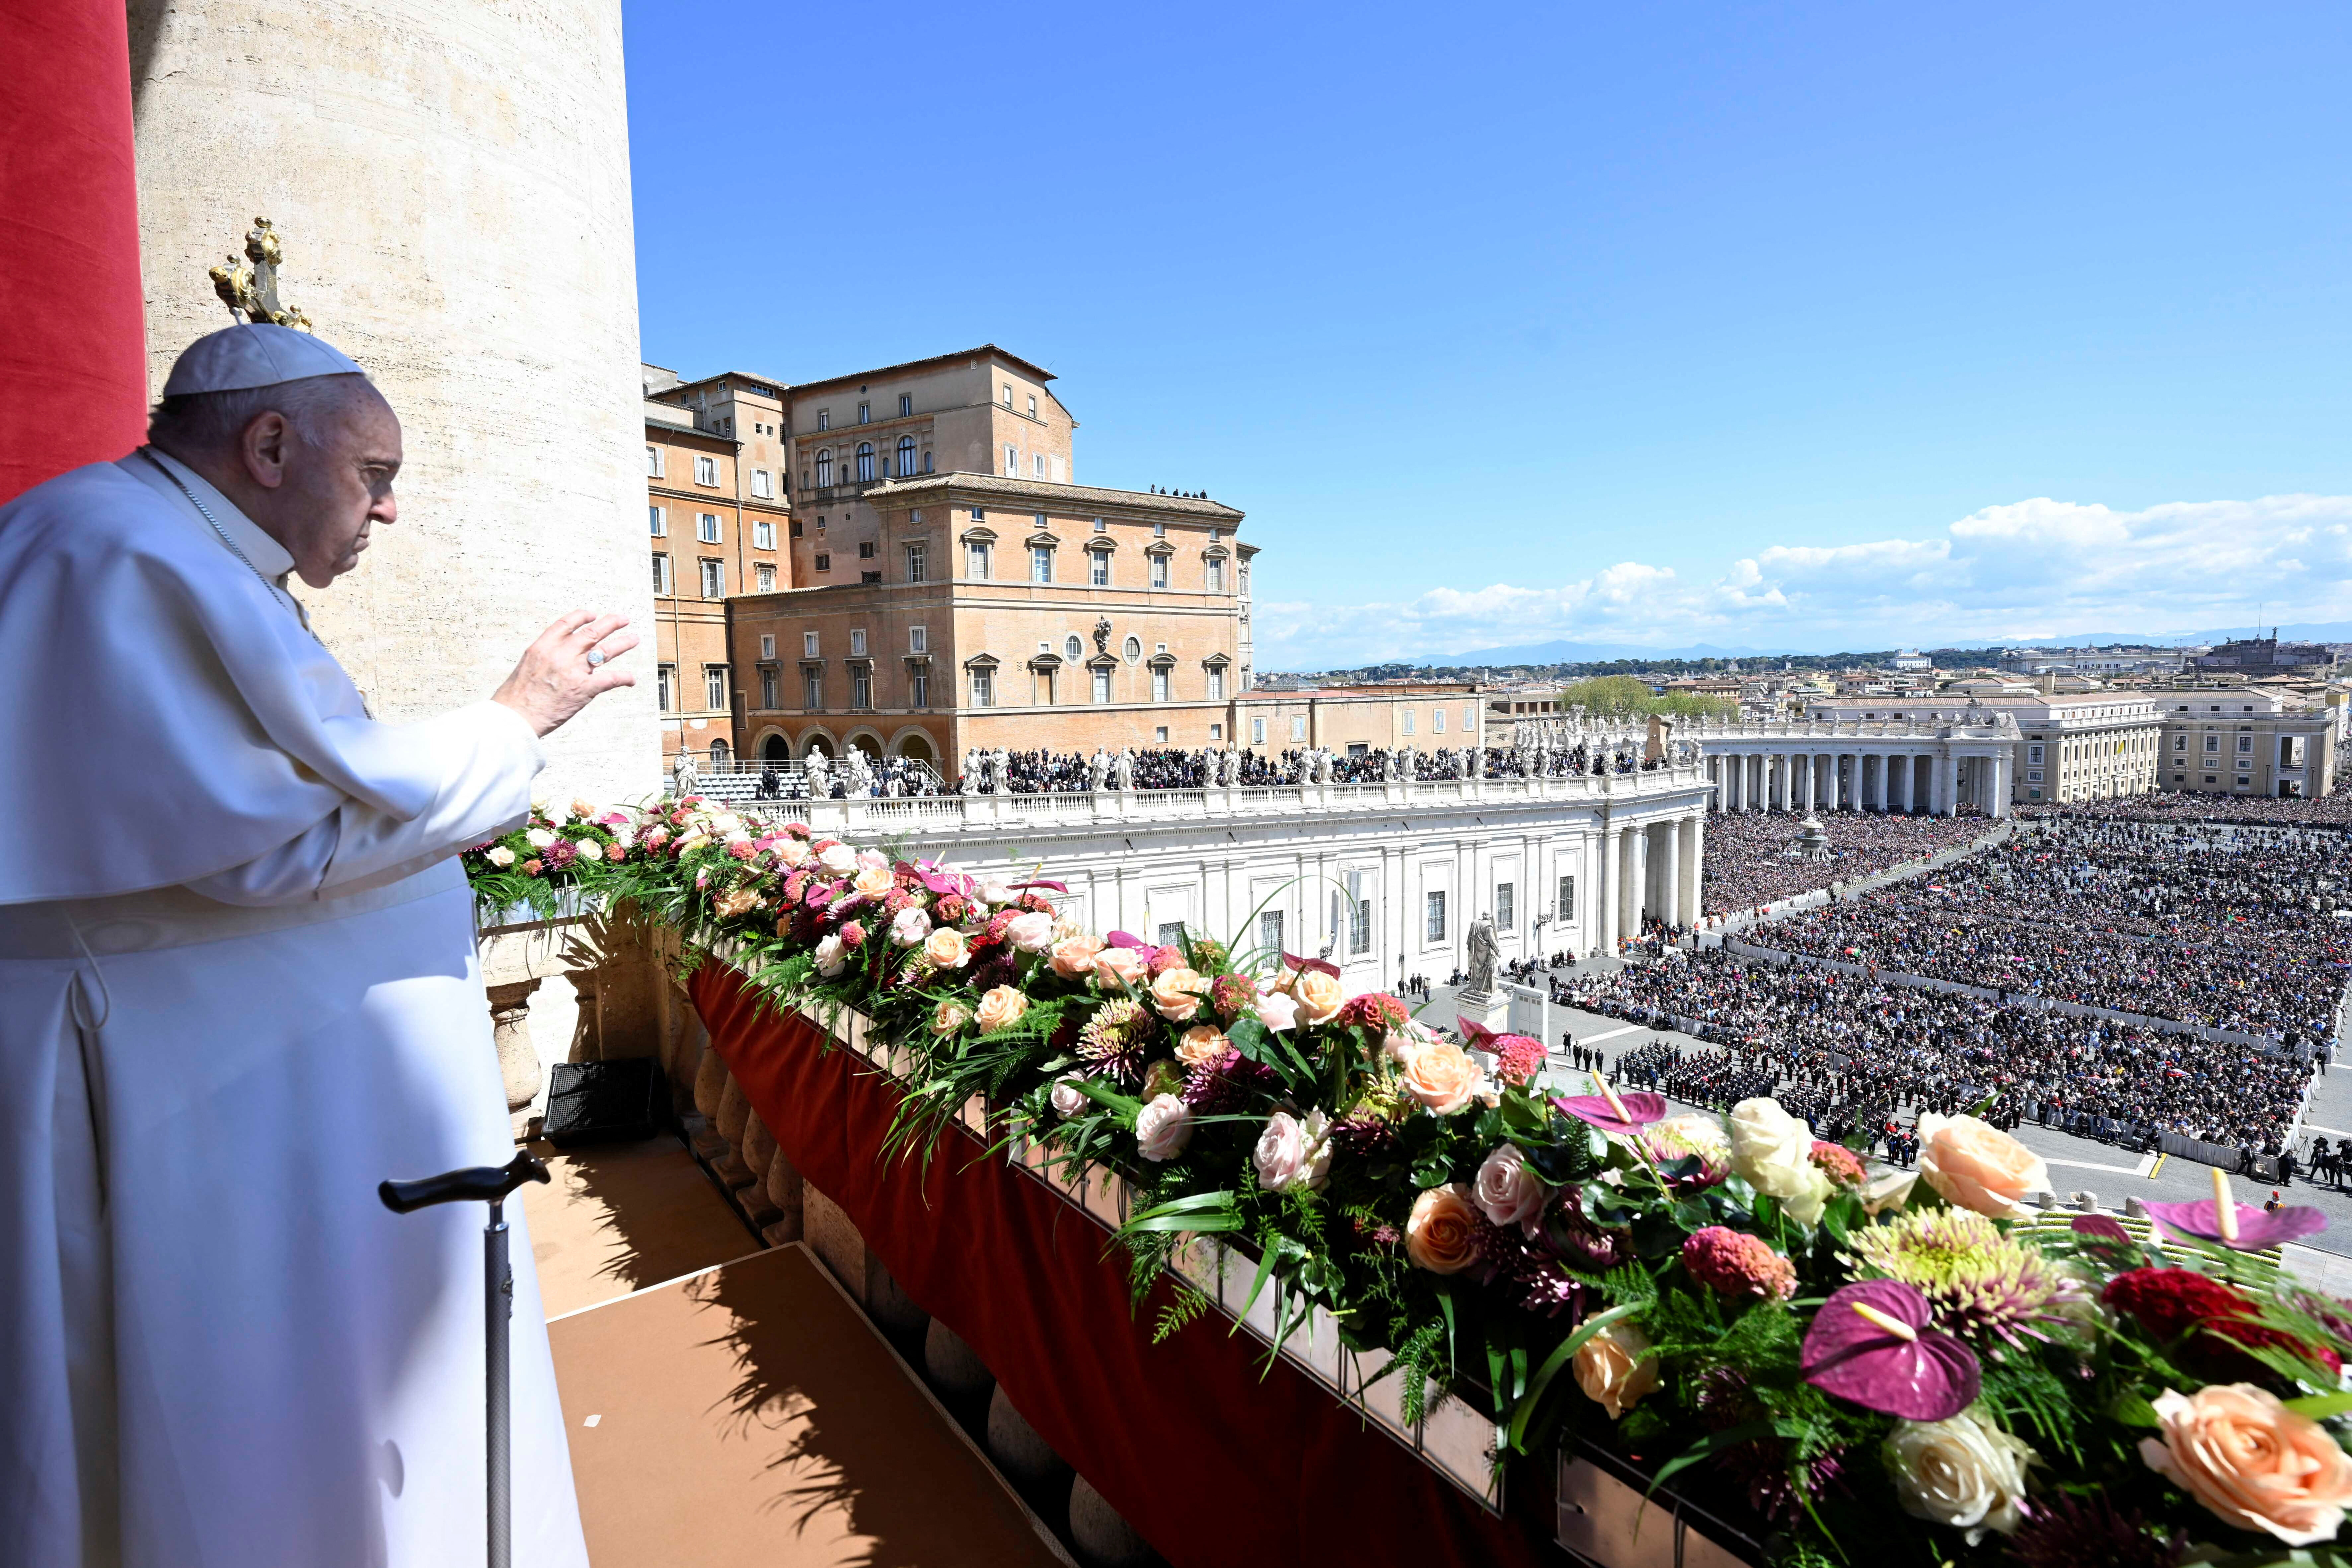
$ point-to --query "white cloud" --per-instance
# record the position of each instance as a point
(2031, 569)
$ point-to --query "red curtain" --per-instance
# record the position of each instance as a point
(73, 354)
(1214, 1462)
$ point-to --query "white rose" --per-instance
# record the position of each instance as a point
(1068, 1097)
(1294, 1152)
(998, 893)
(1163, 1128)
(1276, 1011)
(1774, 1150)
(726, 824)
(1963, 1472)
(624, 836)
(1506, 1192)
(501, 857)
(589, 849)
(1030, 932)
(838, 858)
(538, 837)
(556, 816)
(828, 956)
(910, 927)
(873, 860)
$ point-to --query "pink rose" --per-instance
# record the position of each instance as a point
(1177, 992)
(1507, 1192)
(1318, 996)
(1117, 969)
(1276, 1011)
(1000, 1008)
(1030, 932)
(1067, 1097)
(1294, 1152)
(1201, 1044)
(946, 948)
(1442, 1076)
(1074, 956)
(1973, 1165)
(1163, 1128)
(1442, 1236)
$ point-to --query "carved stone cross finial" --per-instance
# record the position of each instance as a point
(248, 287)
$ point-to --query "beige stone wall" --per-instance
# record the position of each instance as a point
(452, 184)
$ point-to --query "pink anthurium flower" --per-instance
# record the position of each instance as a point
(1870, 1345)
(2256, 1229)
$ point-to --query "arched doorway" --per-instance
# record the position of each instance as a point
(817, 746)
(918, 748)
(775, 749)
(718, 753)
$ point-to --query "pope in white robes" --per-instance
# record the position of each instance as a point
(237, 990)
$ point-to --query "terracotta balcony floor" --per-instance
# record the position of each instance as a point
(747, 1412)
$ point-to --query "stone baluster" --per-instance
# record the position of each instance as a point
(511, 1032)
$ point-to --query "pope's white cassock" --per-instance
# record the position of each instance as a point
(239, 989)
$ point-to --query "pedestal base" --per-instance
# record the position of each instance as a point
(1492, 1011)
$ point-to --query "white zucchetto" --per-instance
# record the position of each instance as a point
(254, 354)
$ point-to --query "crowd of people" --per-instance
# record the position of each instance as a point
(1752, 858)
(2201, 925)
(1869, 1046)
(1074, 773)
(2332, 811)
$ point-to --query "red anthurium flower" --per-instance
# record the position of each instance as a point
(1870, 1345)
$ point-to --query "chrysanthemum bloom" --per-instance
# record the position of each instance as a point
(1365, 1132)
(1116, 1038)
(1774, 1490)
(2066, 1532)
(1374, 1010)
(1230, 994)
(1227, 1082)
(1518, 1059)
(1733, 1263)
(1686, 1136)
(1977, 1281)
(1838, 1163)
(2214, 1318)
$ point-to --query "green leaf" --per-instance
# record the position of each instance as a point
(1714, 1443)
(2131, 1410)
(2317, 1407)
(1560, 1357)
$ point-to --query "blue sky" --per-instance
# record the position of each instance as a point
(1818, 327)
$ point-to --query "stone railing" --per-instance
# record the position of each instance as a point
(2001, 727)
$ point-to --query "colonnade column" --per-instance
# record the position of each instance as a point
(1670, 873)
(1604, 902)
(1952, 788)
(1693, 838)
(1633, 868)
(1829, 784)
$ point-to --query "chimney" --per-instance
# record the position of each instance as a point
(2049, 683)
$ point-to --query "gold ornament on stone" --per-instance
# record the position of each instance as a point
(248, 287)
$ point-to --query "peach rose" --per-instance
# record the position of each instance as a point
(1177, 992)
(1975, 1166)
(1442, 1236)
(1201, 1044)
(948, 1018)
(872, 881)
(1317, 995)
(1615, 1368)
(792, 852)
(1442, 1076)
(2252, 1462)
(1118, 968)
(1001, 1009)
(1074, 956)
(946, 948)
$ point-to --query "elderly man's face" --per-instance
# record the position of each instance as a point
(326, 481)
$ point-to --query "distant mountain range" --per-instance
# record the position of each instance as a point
(1564, 652)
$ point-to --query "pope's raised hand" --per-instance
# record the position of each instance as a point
(569, 665)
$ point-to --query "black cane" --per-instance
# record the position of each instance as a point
(488, 1184)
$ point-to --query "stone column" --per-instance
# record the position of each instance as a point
(1670, 873)
(1630, 872)
(1694, 831)
(1952, 788)
(1604, 893)
(511, 1032)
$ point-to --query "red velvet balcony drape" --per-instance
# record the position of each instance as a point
(73, 357)
(1212, 1462)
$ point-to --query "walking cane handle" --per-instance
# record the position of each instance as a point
(474, 1185)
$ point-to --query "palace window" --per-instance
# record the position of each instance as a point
(919, 685)
(662, 585)
(1564, 910)
(767, 647)
(825, 469)
(1257, 731)
(1269, 930)
(861, 687)
(706, 526)
(864, 462)
(857, 643)
(1505, 898)
(823, 562)
(714, 686)
(812, 689)
(656, 523)
(1098, 569)
(975, 560)
(808, 645)
(1159, 570)
(983, 688)
(917, 567)
(1012, 463)
(760, 484)
(706, 470)
(763, 536)
(1299, 727)
(1032, 406)
(653, 462)
(906, 455)
(1216, 575)
(1435, 927)
(666, 688)
(1038, 465)
(767, 686)
(714, 579)
(865, 413)
(764, 575)
(1216, 685)
(1041, 564)
(1159, 686)
(906, 404)
(1102, 685)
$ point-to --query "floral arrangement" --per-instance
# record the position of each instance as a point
(1905, 1367)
